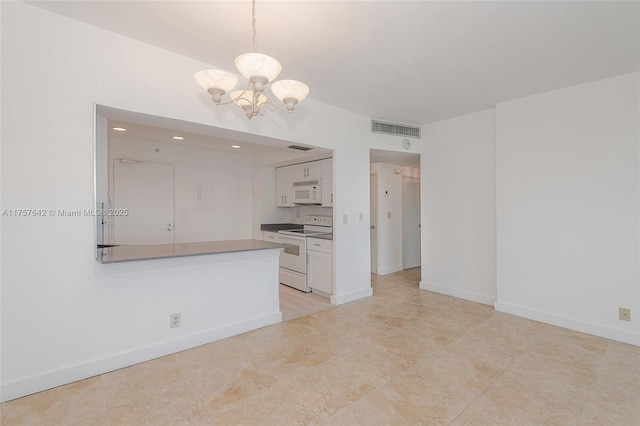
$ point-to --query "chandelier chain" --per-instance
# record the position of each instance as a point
(253, 23)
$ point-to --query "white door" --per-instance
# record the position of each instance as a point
(410, 223)
(146, 191)
(373, 213)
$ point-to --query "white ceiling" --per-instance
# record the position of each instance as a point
(411, 62)
(149, 128)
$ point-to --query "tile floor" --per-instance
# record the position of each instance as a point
(295, 303)
(404, 356)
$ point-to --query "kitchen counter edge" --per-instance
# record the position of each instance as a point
(131, 253)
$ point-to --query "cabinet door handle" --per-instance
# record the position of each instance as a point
(317, 245)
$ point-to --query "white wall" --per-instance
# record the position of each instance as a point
(228, 175)
(394, 143)
(567, 207)
(458, 207)
(57, 314)
(389, 217)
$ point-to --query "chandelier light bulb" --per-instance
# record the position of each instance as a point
(216, 82)
(249, 101)
(290, 92)
(258, 65)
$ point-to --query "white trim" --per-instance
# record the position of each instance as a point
(354, 295)
(472, 296)
(384, 270)
(51, 379)
(617, 334)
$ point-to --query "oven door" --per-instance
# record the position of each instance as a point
(294, 256)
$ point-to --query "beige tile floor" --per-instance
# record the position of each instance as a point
(295, 303)
(404, 356)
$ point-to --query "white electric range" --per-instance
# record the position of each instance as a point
(293, 260)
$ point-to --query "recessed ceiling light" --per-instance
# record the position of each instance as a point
(235, 146)
(178, 138)
(119, 129)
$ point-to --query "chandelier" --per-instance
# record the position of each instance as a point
(259, 69)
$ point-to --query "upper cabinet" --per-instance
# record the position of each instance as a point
(307, 171)
(314, 170)
(284, 188)
(327, 182)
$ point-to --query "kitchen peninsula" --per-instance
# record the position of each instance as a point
(216, 289)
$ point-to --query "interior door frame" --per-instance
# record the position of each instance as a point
(373, 221)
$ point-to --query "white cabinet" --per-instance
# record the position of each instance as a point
(313, 170)
(273, 237)
(320, 265)
(307, 171)
(327, 182)
(284, 189)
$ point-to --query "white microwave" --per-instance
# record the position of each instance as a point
(307, 192)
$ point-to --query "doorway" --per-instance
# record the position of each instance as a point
(373, 208)
(410, 223)
(395, 211)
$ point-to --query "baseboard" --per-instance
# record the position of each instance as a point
(624, 336)
(459, 293)
(354, 295)
(384, 270)
(62, 376)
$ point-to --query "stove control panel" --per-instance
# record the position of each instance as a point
(318, 220)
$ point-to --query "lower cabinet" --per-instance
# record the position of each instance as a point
(320, 265)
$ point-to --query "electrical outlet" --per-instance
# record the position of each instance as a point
(625, 314)
(388, 215)
(174, 320)
(361, 216)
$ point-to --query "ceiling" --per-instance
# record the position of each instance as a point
(150, 128)
(411, 62)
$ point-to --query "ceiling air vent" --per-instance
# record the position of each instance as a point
(300, 148)
(395, 129)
